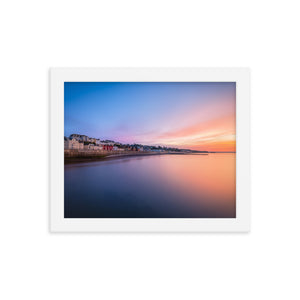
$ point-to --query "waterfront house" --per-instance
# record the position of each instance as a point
(70, 144)
(107, 147)
(89, 147)
(98, 148)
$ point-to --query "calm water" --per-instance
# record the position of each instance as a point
(162, 186)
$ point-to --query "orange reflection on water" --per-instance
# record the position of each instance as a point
(210, 178)
(154, 186)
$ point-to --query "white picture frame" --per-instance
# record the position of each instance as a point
(239, 75)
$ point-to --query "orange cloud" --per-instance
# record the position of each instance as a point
(214, 135)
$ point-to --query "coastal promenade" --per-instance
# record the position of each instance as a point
(76, 156)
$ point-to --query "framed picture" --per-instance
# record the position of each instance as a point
(149, 150)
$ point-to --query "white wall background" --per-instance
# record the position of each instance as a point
(262, 35)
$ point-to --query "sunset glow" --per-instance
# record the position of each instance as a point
(187, 115)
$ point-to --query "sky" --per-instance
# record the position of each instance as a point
(186, 115)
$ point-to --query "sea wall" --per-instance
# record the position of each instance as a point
(95, 153)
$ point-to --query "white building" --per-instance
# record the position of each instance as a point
(70, 144)
(93, 147)
(89, 147)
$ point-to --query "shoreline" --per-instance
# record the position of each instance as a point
(105, 157)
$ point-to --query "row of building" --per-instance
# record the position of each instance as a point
(83, 142)
(84, 138)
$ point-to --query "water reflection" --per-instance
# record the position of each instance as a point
(162, 186)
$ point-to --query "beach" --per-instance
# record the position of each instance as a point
(77, 157)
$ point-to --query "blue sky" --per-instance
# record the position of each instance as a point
(145, 112)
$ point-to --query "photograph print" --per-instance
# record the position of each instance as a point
(149, 150)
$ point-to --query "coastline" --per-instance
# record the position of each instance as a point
(106, 156)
